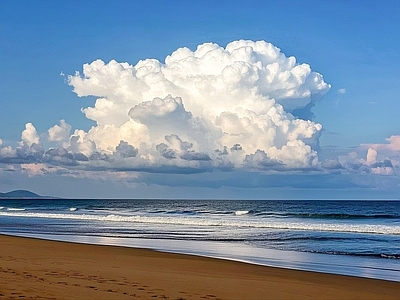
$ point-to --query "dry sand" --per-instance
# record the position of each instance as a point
(40, 269)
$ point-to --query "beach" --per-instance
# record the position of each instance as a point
(43, 269)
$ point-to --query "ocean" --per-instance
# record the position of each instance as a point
(358, 238)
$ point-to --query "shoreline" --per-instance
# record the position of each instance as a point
(41, 268)
(303, 261)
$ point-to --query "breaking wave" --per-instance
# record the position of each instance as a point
(223, 222)
(241, 212)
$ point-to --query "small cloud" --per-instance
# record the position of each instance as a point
(29, 136)
(342, 91)
(33, 169)
(371, 156)
(59, 133)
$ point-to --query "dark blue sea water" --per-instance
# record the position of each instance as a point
(360, 238)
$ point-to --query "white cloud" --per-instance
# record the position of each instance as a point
(79, 143)
(213, 98)
(210, 80)
(29, 136)
(60, 133)
(8, 152)
(394, 143)
(245, 106)
(371, 156)
(214, 107)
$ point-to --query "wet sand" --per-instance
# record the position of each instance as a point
(41, 269)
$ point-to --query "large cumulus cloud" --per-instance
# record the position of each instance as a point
(243, 106)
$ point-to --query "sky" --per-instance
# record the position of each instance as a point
(200, 99)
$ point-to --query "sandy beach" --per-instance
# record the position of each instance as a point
(41, 269)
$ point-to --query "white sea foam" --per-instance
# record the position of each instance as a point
(15, 209)
(72, 209)
(227, 222)
(1, 207)
(241, 212)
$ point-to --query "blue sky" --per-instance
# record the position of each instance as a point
(354, 45)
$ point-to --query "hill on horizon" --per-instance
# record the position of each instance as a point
(20, 194)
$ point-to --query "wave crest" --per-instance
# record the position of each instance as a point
(228, 222)
(241, 212)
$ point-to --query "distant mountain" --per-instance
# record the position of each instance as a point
(20, 194)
